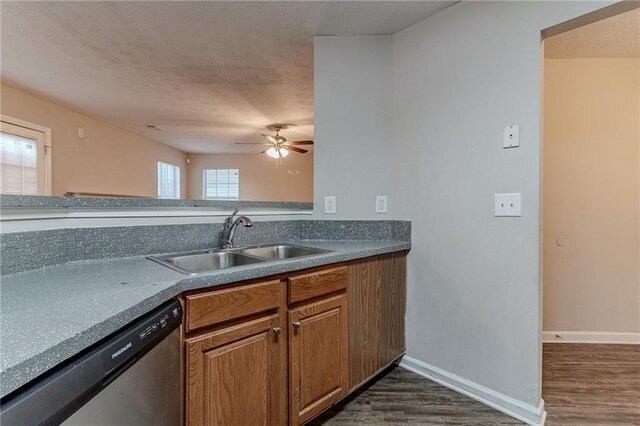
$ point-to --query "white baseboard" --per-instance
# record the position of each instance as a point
(515, 408)
(602, 337)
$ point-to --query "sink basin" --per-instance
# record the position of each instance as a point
(205, 261)
(281, 251)
(193, 263)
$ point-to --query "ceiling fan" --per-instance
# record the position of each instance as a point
(279, 147)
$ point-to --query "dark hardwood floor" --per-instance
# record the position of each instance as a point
(399, 397)
(582, 385)
(591, 384)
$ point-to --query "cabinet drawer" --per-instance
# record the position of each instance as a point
(314, 284)
(223, 305)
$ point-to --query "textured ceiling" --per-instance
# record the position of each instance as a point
(615, 37)
(208, 73)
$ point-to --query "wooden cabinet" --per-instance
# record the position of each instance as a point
(236, 355)
(392, 307)
(281, 351)
(235, 375)
(318, 351)
(212, 307)
(377, 300)
(317, 283)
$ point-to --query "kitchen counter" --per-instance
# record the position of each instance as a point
(50, 314)
(8, 201)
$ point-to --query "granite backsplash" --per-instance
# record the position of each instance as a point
(22, 251)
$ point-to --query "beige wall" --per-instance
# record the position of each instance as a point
(261, 179)
(591, 195)
(108, 160)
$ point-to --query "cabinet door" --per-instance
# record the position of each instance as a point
(318, 357)
(393, 301)
(377, 300)
(237, 375)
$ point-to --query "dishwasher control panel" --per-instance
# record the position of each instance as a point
(141, 334)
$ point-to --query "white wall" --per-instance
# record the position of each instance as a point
(261, 177)
(473, 280)
(591, 195)
(354, 149)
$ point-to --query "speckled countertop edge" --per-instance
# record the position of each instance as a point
(35, 201)
(148, 286)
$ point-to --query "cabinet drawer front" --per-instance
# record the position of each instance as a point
(224, 305)
(308, 286)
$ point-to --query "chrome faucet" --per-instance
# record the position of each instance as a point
(230, 225)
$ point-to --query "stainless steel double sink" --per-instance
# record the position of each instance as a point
(193, 263)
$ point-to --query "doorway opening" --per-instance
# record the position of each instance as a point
(590, 245)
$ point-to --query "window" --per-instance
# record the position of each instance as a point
(221, 184)
(168, 180)
(24, 160)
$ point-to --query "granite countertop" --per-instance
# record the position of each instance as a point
(50, 314)
(38, 201)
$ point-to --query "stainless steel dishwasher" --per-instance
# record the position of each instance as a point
(131, 377)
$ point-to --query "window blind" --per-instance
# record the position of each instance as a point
(18, 165)
(221, 184)
(168, 180)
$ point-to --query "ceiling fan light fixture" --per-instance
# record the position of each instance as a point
(278, 146)
(276, 153)
(272, 152)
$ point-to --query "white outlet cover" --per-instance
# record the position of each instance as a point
(508, 205)
(511, 136)
(381, 203)
(330, 205)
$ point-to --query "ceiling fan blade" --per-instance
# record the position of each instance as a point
(251, 143)
(270, 138)
(300, 142)
(295, 149)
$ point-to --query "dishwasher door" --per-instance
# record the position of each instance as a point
(131, 377)
(148, 393)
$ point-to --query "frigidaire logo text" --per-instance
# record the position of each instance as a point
(122, 349)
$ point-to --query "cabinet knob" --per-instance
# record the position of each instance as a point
(296, 324)
(276, 331)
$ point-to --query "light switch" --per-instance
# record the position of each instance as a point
(508, 205)
(330, 205)
(511, 137)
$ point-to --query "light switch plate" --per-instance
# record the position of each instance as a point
(508, 205)
(511, 136)
(330, 205)
(381, 203)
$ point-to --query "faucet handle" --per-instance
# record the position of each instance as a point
(229, 219)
